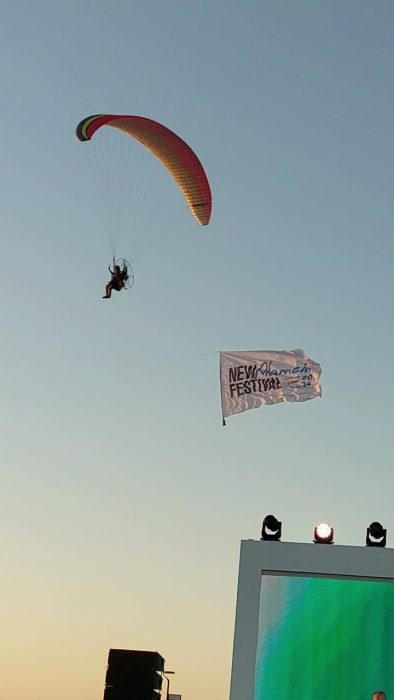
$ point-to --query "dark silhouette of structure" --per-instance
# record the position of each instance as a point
(133, 675)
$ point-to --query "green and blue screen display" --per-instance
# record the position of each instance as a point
(324, 639)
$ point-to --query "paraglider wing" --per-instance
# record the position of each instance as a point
(176, 156)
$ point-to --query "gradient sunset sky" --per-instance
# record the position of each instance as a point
(124, 500)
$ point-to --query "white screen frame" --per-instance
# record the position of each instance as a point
(287, 559)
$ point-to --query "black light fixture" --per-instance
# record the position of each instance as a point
(272, 529)
(376, 535)
(323, 534)
(168, 681)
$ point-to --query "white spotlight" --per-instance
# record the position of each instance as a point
(323, 534)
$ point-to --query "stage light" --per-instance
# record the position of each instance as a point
(272, 529)
(376, 535)
(323, 534)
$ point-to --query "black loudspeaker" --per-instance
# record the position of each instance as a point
(111, 693)
(133, 677)
(131, 657)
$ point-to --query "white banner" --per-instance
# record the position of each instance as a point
(252, 379)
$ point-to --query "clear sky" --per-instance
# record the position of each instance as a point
(124, 500)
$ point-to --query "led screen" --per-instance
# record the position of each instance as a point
(324, 639)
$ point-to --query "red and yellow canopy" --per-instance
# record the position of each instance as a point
(176, 156)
